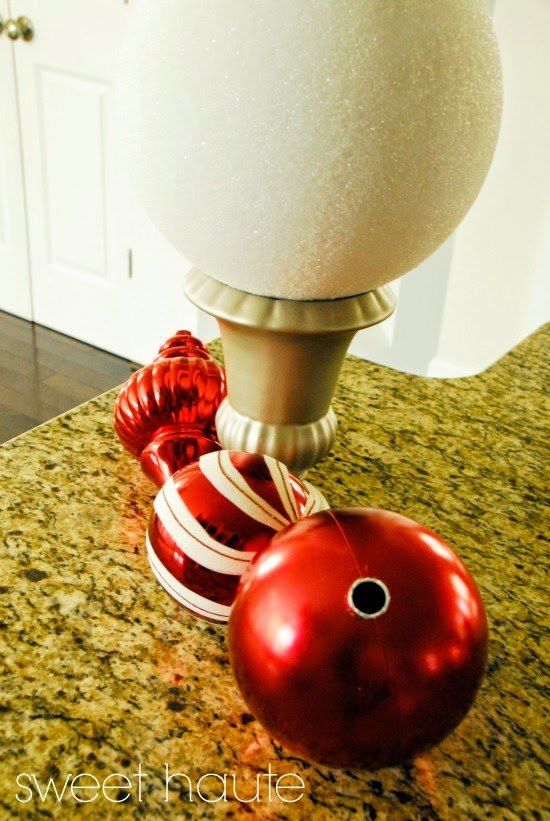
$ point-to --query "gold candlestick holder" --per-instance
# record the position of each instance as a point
(282, 360)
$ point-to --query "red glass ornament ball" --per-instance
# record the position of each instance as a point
(211, 518)
(185, 390)
(358, 638)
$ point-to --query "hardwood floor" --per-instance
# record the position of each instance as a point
(44, 373)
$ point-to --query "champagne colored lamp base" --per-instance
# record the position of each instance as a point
(282, 360)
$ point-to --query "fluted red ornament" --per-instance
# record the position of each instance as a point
(178, 393)
(210, 518)
(358, 638)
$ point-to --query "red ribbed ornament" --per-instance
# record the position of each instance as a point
(175, 398)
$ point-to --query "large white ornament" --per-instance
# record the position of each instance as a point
(309, 148)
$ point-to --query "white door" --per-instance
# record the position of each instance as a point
(99, 270)
(15, 293)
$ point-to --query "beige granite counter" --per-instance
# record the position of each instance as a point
(102, 671)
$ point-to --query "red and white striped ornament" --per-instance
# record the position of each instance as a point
(210, 519)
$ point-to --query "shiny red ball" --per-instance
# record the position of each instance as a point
(210, 518)
(358, 638)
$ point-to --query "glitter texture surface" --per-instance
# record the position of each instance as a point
(309, 149)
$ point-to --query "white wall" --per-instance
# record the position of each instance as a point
(499, 286)
(488, 287)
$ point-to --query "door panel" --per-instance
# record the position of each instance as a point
(100, 270)
(72, 113)
(15, 295)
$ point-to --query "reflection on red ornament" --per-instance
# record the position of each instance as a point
(358, 638)
(178, 393)
(211, 518)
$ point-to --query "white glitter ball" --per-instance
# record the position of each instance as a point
(309, 148)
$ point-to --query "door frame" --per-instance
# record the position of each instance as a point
(16, 295)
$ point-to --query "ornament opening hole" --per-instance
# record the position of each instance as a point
(369, 598)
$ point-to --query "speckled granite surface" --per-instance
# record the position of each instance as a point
(101, 670)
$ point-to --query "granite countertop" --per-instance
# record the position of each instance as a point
(102, 671)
